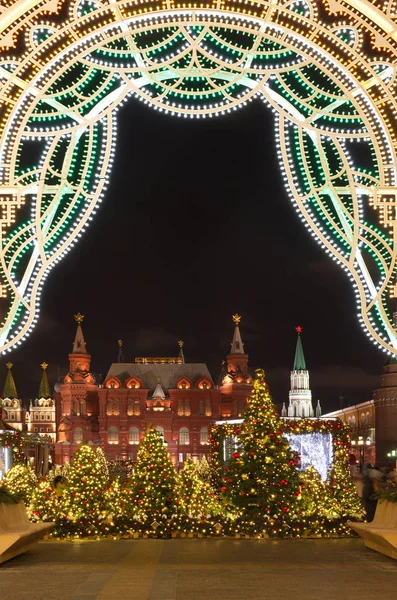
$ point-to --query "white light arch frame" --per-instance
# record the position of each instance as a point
(199, 62)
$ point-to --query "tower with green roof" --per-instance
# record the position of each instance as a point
(13, 412)
(300, 395)
(41, 417)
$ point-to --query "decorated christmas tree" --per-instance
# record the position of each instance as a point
(83, 502)
(342, 489)
(195, 497)
(316, 499)
(154, 479)
(20, 481)
(103, 462)
(204, 469)
(261, 478)
(116, 499)
(44, 504)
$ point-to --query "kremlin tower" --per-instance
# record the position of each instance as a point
(11, 404)
(41, 417)
(300, 395)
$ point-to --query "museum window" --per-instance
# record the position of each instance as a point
(133, 435)
(184, 437)
(204, 435)
(113, 435)
(78, 435)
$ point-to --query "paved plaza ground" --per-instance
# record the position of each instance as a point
(192, 569)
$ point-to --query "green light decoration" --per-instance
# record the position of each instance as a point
(334, 110)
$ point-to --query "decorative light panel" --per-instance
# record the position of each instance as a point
(325, 69)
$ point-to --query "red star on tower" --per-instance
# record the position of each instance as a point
(299, 329)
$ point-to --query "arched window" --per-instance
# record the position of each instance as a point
(113, 435)
(109, 407)
(130, 407)
(82, 408)
(362, 419)
(116, 407)
(75, 407)
(353, 421)
(133, 436)
(137, 408)
(78, 435)
(187, 408)
(184, 436)
(160, 430)
(201, 407)
(208, 408)
(368, 418)
(180, 407)
(204, 435)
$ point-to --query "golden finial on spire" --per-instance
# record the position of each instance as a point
(79, 318)
(180, 343)
(120, 342)
(9, 365)
(44, 365)
(236, 319)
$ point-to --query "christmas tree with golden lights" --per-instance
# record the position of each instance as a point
(44, 504)
(195, 497)
(154, 480)
(261, 478)
(83, 502)
(316, 500)
(20, 481)
(341, 487)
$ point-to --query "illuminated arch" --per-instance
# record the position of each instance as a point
(334, 109)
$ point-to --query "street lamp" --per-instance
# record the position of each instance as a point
(361, 443)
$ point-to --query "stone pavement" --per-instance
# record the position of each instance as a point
(193, 569)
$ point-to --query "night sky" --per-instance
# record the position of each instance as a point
(195, 226)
